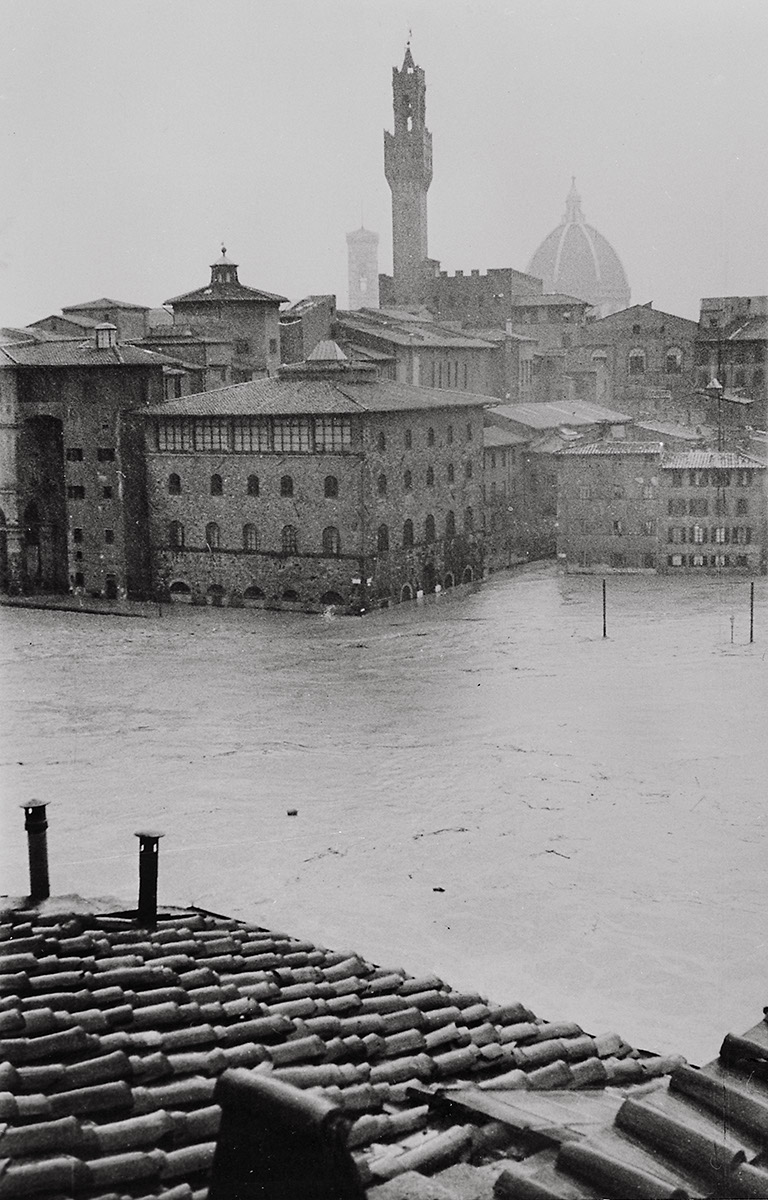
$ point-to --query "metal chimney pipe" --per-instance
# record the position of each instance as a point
(36, 825)
(148, 855)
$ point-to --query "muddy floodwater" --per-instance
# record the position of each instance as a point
(484, 786)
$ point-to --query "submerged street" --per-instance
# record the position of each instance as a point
(484, 787)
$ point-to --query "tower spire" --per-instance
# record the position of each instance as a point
(408, 170)
(573, 213)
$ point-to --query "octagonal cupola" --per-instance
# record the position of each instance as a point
(223, 271)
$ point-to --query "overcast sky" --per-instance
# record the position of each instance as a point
(136, 136)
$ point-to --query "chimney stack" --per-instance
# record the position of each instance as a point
(36, 824)
(148, 855)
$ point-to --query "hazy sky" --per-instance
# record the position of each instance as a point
(137, 135)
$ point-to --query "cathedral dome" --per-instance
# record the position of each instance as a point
(576, 260)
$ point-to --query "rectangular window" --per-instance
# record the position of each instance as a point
(742, 535)
(677, 507)
(721, 506)
(649, 528)
(618, 528)
(585, 491)
(698, 560)
(76, 492)
(743, 478)
(109, 535)
(174, 434)
(699, 535)
(251, 435)
(720, 560)
(106, 493)
(292, 435)
(675, 560)
(618, 491)
(333, 435)
(211, 433)
(677, 479)
(698, 508)
(77, 535)
(720, 535)
(466, 377)
(721, 478)
(242, 346)
(74, 454)
(649, 561)
(105, 454)
(647, 491)
(273, 345)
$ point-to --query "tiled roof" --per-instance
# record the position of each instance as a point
(228, 292)
(410, 333)
(614, 447)
(494, 435)
(670, 429)
(76, 321)
(550, 416)
(697, 459)
(112, 1038)
(293, 396)
(531, 300)
(702, 1133)
(104, 302)
(70, 353)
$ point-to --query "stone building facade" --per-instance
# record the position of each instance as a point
(634, 506)
(325, 486)
(731, 350)
(642, 361)
(72, 482)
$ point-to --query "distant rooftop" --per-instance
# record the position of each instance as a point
(551, 416)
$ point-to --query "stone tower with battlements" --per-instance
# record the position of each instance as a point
(408, 169)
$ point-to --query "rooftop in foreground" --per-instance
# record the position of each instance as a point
(113, 1038)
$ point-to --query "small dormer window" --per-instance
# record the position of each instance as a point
(106, 336)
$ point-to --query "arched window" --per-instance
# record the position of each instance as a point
(331, 540)
(253, 485)
(381, 485)
(217, 485)
(673, 361)
(250, 538)
(449, 435)
(290, 539)
(469, 520)
(429, 528)
(450, 473)
(331, 488)
(407, 481)
(468, 469)
(174, 485)
(176, 535)
(381, 441)
(382, 539)
(637, 362)
(430, 477)
(408, 534)
(212, 536)
(286, 485)
(450, 523)
(408, 439)
(430, 436)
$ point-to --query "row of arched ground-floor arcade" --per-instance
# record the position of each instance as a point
(359, 598)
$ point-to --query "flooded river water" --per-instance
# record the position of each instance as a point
(484, 786)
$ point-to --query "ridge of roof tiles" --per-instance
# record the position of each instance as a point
(112, 1038)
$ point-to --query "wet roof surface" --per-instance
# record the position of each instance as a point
(112, 1038)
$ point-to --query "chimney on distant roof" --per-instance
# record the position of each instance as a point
(106, 336)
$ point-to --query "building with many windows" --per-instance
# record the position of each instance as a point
(324, 486)
(72, 497)
(632, 506)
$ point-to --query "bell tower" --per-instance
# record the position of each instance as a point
(408, 169)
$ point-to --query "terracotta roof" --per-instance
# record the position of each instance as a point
(698, 459)
(71, 353)
(551, 416)
(670, 429)
(615, 448)
(112, 1038)
(213, 293)
(402, 332)
(293, 395)
(701, 1133)
(104, 302)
